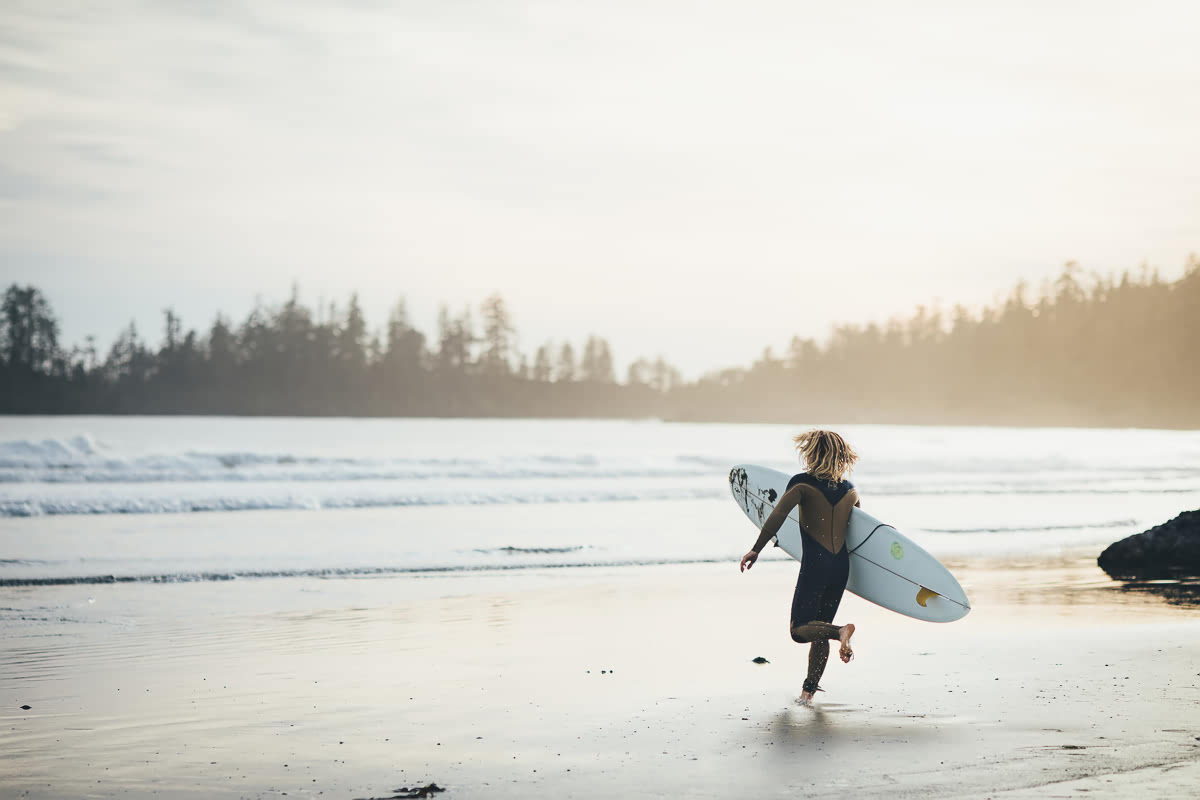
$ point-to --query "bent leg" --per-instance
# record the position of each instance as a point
(832, 598)
(815, 631)
(813, 621)
(812, 614)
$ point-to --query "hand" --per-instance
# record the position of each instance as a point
(748, 561)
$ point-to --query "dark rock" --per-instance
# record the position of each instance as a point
(760, 660)
(1166, 549)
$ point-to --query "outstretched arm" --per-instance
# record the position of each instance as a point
(771, 527)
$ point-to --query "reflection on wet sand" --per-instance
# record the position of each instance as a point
(1183, 591)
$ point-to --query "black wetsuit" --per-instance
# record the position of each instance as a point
(820, 586)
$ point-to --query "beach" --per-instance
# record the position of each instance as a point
(634, 681)
(556, 610)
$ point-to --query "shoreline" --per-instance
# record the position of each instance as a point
(1071, 572)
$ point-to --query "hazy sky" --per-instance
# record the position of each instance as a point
(694, 179)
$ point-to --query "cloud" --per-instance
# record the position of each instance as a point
(27, 187)
(598, 155)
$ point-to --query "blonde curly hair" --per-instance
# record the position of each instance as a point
(825, 454)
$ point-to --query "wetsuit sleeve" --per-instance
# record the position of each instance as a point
(775, 521)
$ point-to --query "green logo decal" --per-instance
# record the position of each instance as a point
(897, 551)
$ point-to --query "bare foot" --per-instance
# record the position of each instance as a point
(845, 653)
(806, 698)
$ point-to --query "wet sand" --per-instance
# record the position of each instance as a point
(602, 682)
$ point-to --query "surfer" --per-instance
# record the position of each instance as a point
(823, 498)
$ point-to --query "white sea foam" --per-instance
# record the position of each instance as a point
(28, 466)
(80, 460)
(191, 502)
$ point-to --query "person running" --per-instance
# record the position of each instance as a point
(824, 499)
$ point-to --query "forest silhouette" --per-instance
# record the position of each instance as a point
(1087, 350)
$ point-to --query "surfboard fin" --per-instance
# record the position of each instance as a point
(924, 595)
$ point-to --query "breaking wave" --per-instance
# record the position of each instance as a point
(104, 504)
(81, 459)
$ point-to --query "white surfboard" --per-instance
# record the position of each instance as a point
(886, 567)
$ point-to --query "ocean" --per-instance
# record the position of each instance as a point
(170, 499)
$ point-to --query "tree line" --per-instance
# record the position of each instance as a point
(291, 359)
(1086, 350)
